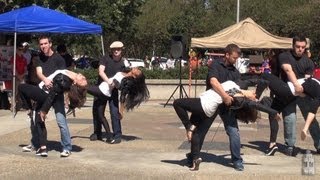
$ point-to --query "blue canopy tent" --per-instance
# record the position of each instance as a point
(35, 19)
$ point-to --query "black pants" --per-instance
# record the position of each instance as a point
(282, 97)
(30, 92)
(99, 105)
(197, 118)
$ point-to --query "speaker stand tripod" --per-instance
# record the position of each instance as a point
(182, 91)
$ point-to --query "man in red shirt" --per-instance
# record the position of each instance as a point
(21, 69)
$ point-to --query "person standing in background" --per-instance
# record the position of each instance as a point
(21, 71)
(62, 50)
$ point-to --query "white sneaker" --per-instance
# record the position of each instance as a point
(65, 153)
(28, 148)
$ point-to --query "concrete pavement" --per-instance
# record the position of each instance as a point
(153, 147)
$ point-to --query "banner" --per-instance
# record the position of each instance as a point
(6, 52)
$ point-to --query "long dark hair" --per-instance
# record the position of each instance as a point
(77, 96)
(246, 114)
(134, 91)
(243, 111)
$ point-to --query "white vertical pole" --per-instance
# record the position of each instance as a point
(102, 45)
(13, 98)
(238, 10)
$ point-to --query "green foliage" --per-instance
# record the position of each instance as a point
(146, 26)
(92, 74)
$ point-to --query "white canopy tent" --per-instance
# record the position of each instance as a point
(246, 34)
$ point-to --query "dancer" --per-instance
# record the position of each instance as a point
(63, 80)
(296, 65)
(47, 63)
(133, 91)
(286, 94)
(109, 65)
(205, 107)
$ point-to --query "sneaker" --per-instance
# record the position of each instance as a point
(271, 151)
(318, 151)
(42, 152)
(65, 153)
(94, 137)
(113, 140)
(28, 148)
(238, 166)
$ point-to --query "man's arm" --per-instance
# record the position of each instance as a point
(287, 68)
(103, 75)
(215, 84)
(47, 82)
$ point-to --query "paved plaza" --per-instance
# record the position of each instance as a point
(153, 147)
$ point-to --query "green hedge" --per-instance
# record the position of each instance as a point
(92, 74)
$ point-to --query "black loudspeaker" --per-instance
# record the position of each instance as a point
(176, 46)
(176, 52)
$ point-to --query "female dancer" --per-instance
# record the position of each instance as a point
(311, 87)
(204, 107)
(133, 91)
(63, 80)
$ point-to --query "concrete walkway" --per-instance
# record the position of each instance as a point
(153, 147)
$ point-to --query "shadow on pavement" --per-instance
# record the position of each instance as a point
(206, 157)
(182, 162)
(130, 138)
(56, 146)
(105, 135)
(261, 146)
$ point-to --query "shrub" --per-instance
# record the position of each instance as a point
(92, 74)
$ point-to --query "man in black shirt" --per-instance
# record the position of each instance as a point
(109, 65)
(47, 63)
(219, 72)
(294, 65)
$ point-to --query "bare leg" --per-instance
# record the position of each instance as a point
(309, 120)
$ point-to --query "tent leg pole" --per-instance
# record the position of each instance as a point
(102, 45)
(13, 98)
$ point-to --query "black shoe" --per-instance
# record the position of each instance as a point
(238, 166)
(290, 151)
(271, 151)
(42, 152)
(318, 151)
(94, 137)
(113, 140)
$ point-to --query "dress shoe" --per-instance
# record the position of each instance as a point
(94, 137)
(238, 166)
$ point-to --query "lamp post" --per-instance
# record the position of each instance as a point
(238, 10)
